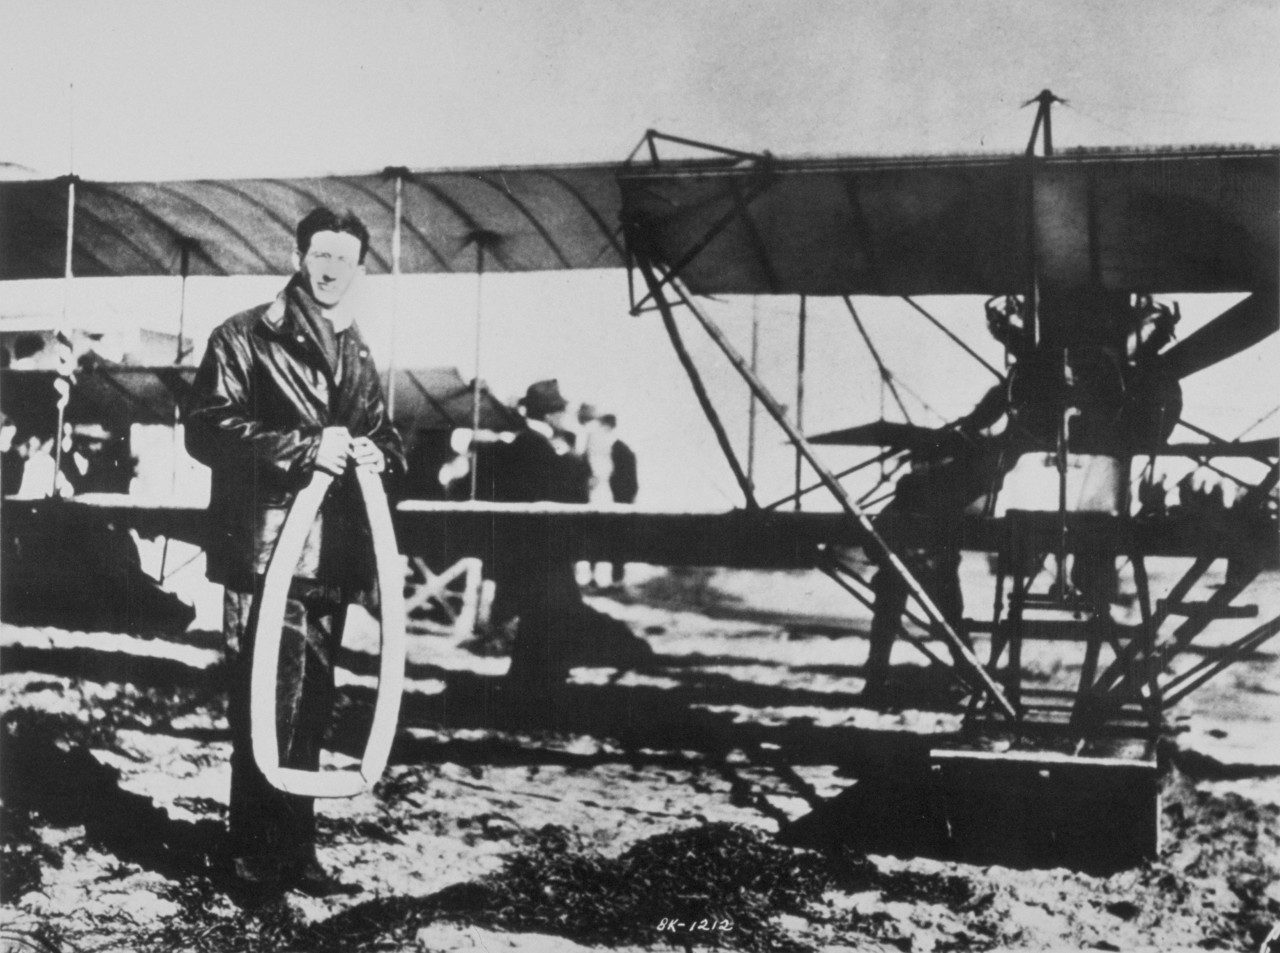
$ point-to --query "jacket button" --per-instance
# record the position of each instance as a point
(300, 339)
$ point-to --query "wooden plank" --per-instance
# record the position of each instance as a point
(444, 532)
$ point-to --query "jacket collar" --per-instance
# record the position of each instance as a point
(279, 318)
(277, 311)
(284, 322)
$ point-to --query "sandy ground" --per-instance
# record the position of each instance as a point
(655, 797)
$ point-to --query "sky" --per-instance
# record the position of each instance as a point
(186, 89)
(135, 90)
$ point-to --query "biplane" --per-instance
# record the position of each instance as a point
(1073, 241)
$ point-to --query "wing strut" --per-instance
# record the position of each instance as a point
(397, 232)
(65, 369)
(699, 388)
(938, 622)
(800, 356)
(483, 241)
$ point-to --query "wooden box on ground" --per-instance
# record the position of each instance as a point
(1039, 809)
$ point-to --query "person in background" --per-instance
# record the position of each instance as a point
(288, 390)
(586, 426)
(27, 348)
(12, 462)
(593, 445)
(923, 522)
(624, 483)
(39, 467)
(533, 572)
(96, 461)
(590, 444)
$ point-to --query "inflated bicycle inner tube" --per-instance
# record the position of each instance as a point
(266, 644)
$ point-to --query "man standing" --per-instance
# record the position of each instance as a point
(534, 572)
(534, 577)
(624, 481)
(287, 389)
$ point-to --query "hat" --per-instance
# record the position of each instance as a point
(544, 398)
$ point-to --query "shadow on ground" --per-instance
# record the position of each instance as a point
(49, 771)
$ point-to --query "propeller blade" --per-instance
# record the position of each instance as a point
(1231, 332)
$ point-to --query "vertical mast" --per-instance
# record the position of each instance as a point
(397, 229)
(475, 377)
(1042, 129)
(66, 366)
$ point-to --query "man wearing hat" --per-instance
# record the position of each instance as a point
(534, 572)
(541, 464)
(96, 462)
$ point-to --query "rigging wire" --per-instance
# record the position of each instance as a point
(951, 334)
(1125, 131)
(886, 376)
(1145, 109)
(879, 458)
(929, 408)
(1263, 419)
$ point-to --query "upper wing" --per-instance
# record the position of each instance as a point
(1176, 221)
(1155, 222)
(526, 219)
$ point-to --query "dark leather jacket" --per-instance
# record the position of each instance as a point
(262, 396)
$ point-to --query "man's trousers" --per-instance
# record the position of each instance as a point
(269, 828)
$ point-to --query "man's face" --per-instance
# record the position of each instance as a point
(330, 265)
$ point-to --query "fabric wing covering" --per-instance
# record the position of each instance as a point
(1153, 222)
(1177, 221)
(437, 398)
(526, 219)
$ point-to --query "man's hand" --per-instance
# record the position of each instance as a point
(367, 455)
(334, 451)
